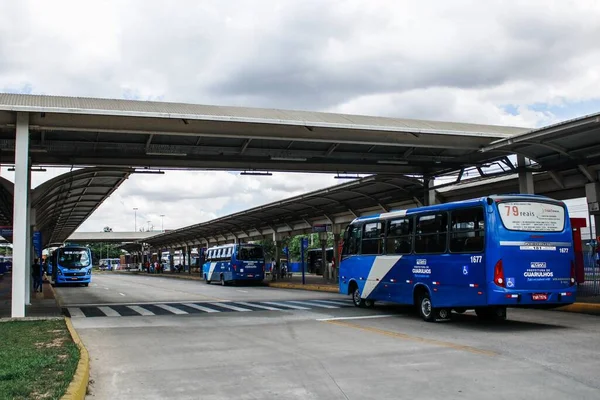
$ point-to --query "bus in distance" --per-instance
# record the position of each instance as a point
(71, 264)
(233, 263)
(484, 254)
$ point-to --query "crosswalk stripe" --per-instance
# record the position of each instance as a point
(201, 308)
(141, 310)
(259, 306)
(112, 310)
(275, 303)
(76, 312)
(336, 302)
(109, 312)
(306, 303)
(172, 309)
(234, 308)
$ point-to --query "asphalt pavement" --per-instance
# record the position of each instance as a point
(321, 349)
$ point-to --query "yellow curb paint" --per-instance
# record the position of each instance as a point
(77, 390)
(583, 308)
(404, 336)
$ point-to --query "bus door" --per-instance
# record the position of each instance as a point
(535, 246)
(461, 272)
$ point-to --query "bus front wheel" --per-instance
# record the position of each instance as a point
(356, 299)
(206, 280)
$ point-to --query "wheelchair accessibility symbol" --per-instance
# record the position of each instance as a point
(510, 282)
(466, 270)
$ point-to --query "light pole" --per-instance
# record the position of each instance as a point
(162, 226)
(135, 219)
(149, 226)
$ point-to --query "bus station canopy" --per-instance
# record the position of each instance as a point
(63, 203)
(106, 132)
(297, 215)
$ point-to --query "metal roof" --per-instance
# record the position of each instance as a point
(107, 132)
(572, 144)
(66, 201)
(565, 185)
(109, 237)
(339, 204)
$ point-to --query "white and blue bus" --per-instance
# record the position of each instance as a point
(72, 264)
(233, 263)
(484, 254)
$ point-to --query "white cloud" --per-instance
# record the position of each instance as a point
(486, 62)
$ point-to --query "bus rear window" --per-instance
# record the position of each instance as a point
(532, 216)
(250, 253)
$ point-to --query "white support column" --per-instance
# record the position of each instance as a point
(21, 203)
(525, 178)
(28, 262)
(428, 193)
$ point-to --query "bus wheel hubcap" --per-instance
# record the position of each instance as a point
(426, 307)
(356, 296)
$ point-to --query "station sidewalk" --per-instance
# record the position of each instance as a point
(43, 305)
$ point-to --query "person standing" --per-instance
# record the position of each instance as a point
(36, 273)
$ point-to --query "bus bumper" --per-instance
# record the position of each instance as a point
(73, 279)
(532, 298)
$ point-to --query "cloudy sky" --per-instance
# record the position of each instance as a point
(497, 62)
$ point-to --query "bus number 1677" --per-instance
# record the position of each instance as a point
(476, 259)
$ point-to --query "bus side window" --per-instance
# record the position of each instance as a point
(372, 242)
(431, 233)
(352, 240)
(399, 236)
(468, 230)
(229, 253)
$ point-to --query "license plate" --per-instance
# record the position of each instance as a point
(73, 279)
(539, 296)
(250, 275)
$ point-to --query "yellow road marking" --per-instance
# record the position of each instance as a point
(414, 338)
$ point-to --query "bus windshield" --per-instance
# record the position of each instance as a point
(532, 216)
(250, 253)
(73, 258)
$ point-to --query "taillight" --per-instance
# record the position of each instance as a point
(499, 274)
(572, 273)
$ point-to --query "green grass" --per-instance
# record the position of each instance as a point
(37, 359)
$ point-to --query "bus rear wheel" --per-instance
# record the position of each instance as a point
(222, 280)
(428, 312)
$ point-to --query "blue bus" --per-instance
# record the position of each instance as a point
(232, 263)
(484, 254)
(71, 264)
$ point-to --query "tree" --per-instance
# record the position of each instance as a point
(107, 229)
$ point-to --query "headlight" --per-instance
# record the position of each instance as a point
(89, 271)
(58, 272)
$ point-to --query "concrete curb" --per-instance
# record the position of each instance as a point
(311, 286)
(582, 308)
(57, 297)
(77, 390)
